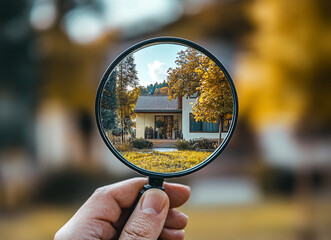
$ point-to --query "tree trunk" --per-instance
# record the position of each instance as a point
(220, 131)
(122, 130)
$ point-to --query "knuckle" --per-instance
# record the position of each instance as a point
(102, 192)
(138, 230)
(99, 191)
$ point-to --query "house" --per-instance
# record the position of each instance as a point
(157, 117)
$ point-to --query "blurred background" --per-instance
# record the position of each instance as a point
(273, 181)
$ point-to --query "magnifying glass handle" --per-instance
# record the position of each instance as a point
(152, 183)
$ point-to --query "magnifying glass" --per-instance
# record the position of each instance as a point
(166, 107)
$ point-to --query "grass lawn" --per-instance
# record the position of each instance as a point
(174, 161)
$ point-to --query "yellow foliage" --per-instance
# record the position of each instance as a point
(167, 162)
(284, 77)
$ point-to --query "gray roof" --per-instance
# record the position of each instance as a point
(156, 104)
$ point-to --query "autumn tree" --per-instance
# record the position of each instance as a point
(197, 75)
(109, 103)
(126, 85)
(215, 101)
(183, 80)
(133, 96)
(164, 91)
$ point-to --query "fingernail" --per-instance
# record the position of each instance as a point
(153, 201)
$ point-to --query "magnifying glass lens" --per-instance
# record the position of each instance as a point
(166, 107)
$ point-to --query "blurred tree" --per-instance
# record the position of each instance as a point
(285, 74)
(197, 75)
(284, 80)
(19, 76)
(126, 79)
(109, 103)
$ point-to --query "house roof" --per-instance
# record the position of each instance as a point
(156, 104)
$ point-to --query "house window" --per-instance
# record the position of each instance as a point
(163, 127)
(210, 127)
(202, 126)
(194, 125)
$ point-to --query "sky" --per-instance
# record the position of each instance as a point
(152, 62)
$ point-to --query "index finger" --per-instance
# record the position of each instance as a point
(107, 202)
(178, 194)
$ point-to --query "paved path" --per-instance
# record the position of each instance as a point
(163, 143)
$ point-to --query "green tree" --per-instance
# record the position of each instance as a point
(109, 103)
(126, 81)
(197, 75)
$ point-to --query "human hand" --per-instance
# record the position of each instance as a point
(103, 215)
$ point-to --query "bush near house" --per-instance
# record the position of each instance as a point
(123, 147)
(185, 145)
(205, 143)
(141, 143)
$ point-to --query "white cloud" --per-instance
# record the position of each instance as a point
(156, 71)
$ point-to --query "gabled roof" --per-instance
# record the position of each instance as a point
(156, 104)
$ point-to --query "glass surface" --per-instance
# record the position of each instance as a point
(166, 107)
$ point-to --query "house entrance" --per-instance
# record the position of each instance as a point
(164, 127)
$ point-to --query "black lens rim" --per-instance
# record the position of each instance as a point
(143, 44)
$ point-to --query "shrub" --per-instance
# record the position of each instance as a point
(185, 145)
(205, 143)
(141, 143)
(123, 147)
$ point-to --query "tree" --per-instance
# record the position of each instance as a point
(109, 103)
(164, 91)
(126, 79)
(143, 90)
(133, 96)
(197, 75)
(215, 102)
(184, 80)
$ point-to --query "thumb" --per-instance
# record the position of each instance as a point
(147, 220)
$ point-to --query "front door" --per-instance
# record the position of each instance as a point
(163, 127)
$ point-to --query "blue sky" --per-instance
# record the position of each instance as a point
(152, 62)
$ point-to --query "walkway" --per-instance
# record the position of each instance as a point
(163, 143)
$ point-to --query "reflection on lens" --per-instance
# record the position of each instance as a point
(166, 107)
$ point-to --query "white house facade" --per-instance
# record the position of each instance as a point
(160, 118)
